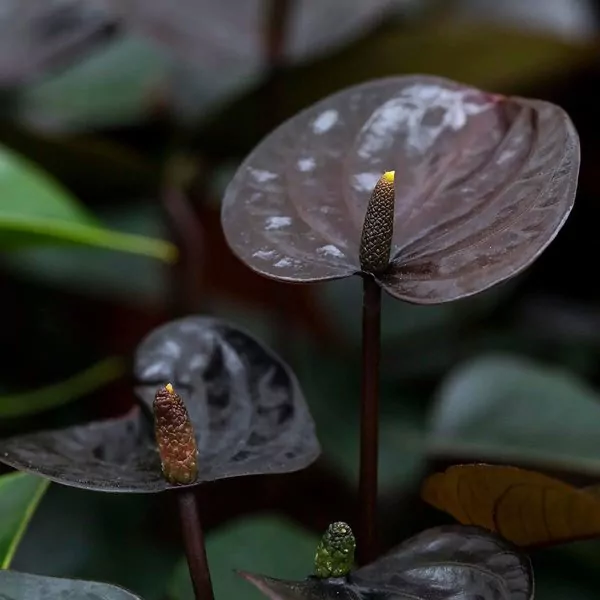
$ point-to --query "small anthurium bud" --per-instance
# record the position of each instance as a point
(378, 227)
(335, 552)
(175, 437)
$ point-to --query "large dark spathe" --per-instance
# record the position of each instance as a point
(247, 410)
(483, 183)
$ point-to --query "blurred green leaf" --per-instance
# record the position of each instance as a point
(129, 278)
(501, 60)
(58, 394)
(268, 545)
(514, 411)
(84, 163)
(20, 494)
(117, 538)
(36, 210)
(116, 85)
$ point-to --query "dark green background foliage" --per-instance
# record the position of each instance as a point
(115, 146)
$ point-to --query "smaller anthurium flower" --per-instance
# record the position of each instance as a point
(476, 186)
(469, 563)
(175, 437)
(233, 408)
(335, 552)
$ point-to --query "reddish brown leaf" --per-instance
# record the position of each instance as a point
(525, 507)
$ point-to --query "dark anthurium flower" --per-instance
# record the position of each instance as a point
(482, 184)
(444, 562)
(215, 403)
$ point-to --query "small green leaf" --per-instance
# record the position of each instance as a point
(514, 411)
(263, 545)
(58, 394)
(36, 210)
(100, 537)
(20, 494)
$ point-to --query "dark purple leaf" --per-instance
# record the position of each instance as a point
(248, 412)
(39, 36)
(438, 564)
(230, 35)
(483, 184)
(23, 586)
(246, 405)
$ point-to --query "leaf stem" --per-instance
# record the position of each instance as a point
(369, 422)
(193, 540)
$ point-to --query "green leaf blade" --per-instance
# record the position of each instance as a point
(59, 394)
(36, 210)
(505, 409)
(20, 495)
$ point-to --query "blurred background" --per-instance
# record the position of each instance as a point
(121, 123)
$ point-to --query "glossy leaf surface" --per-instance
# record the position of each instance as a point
(20, 494)
(525, 507)
(246, 406)
(483, 184)
(509, 410)
(443, 562)
(24, 586)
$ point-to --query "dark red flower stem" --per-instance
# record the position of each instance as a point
(369, 422)
(193, 540)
